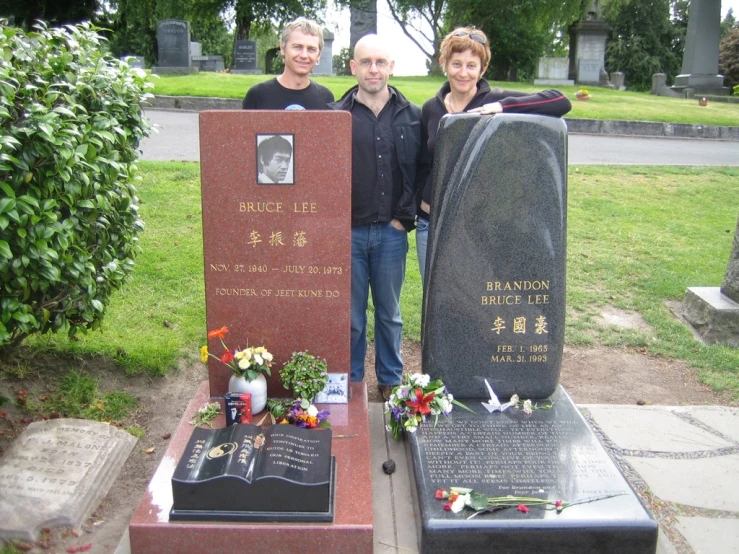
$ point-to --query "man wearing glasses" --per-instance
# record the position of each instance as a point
(388, 162)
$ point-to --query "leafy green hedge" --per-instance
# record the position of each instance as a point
(71, 120)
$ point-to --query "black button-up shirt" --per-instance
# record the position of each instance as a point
(377, 182)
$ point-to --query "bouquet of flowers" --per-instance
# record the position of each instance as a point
(247, 363)
(299, 412)
(414, 399)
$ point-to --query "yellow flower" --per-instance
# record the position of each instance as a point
(204, 353)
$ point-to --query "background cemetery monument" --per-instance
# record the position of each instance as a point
(714, 311)
(174, 47)
(494, 309)
(245, 57)
(700, 59)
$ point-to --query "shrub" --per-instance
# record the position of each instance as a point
(71, 120)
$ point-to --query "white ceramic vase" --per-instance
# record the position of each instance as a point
(257, 387)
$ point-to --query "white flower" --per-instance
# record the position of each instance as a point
(267, 356)
(514, 400)
(411, 425)
(244, 363)
(527, 409)
(460, 502)
(258, 359)
(446, 404)
(421, 379)
(312, 411)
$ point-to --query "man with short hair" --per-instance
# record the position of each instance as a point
(274, 159)
(300, 45)
(389, 161)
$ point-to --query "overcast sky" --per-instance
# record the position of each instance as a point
(409, 58)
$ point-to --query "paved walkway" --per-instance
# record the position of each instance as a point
(683, 461)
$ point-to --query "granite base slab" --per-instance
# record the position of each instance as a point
(152, 532)
(549, 454)
(713, 315)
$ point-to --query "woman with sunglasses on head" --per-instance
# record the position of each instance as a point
(465, 56)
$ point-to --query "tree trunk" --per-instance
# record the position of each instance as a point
(243, 28)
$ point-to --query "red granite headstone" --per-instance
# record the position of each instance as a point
(277, 254)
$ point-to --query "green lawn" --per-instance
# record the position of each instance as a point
(604, 103)
(637, 237)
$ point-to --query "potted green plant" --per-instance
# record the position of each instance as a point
(304, 375)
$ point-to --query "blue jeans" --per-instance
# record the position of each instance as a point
(422, 241)
(378, 263)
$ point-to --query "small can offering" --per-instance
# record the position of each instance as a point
(238, 407)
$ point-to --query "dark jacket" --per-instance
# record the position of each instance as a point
(412, 157)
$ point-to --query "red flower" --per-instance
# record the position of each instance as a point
(523, 508)
(441, 494)
(558, 503)
(227, 356)
(218, 333)
(421, 404)
(448, 507)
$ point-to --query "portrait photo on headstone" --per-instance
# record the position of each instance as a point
(275, 160)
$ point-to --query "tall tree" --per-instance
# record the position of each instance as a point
(519, 30)
(54, 12)
(423, 21)
(643, 40)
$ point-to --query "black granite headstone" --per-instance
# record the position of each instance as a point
(173, 38)
(245, 55)
(494, 303)
(246, 473)
(550, 454)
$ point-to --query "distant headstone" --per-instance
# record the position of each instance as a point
(196, 49)
(553, 71)
(248, 473)
(277, 254)
(363, 17)
(550, 454)
(56, 473)
(208, 63)
(588, 42)
(173, 38)
(617, 80)
(245, 57)
(325, 62)
(588, 71)
(500, 213)
(714, 312)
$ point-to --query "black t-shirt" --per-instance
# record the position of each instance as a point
(271, 95)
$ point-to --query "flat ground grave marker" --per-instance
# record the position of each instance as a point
(56, 473)
(550, 454)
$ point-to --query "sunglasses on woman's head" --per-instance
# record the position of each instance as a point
(474, 36)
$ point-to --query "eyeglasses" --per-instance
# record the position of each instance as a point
(474, 36)
(380, 64)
